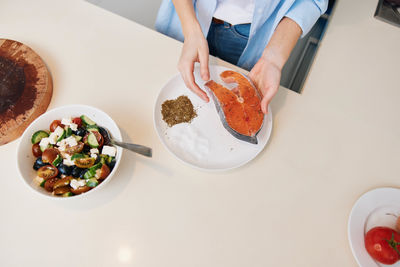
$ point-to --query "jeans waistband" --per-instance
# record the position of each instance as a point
(220, 21)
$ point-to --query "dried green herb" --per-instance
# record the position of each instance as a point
(178, 110)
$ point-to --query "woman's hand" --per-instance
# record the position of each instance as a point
(266, 73)
(195, 49)
(266, 77)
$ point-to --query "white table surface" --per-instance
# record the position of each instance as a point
(288, 207)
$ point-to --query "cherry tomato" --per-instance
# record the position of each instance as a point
(36, 150)
(383, 244)
(62, 182)
(98, 135)
(81, 189)
(55, 124)
(62, 190)
(49, 184)
(75, 149)
(77, 121)
(103, 172)
(47, 172)
(49, 155)
(84, 162)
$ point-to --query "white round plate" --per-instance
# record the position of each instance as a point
(25, 159)
(378, 207)
(205, 143)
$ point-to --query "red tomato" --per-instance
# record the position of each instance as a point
(36, 150)
(84, 162)
(77, 121)
(383, 244)
(54, 125)
(49, 155)
(47, 172)
(49, 184)
(75, 149)
(103, 172)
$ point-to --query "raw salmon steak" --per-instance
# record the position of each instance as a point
(240, 108)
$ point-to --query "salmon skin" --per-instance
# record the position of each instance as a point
(240, 108)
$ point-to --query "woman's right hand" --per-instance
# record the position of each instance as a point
(195, 49)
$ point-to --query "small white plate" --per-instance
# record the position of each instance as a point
(205, 143)
(371, 210)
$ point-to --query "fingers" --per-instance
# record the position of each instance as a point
(186, 71)
(264, 105)
(203, 58)
(269, 94)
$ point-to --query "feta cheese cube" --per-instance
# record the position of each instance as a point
(93, 156)
(94, 151)
(73, 126)
(44, 142)
(59, 131)
(66, 121)
(77, 183)
(109, 150)
(67, 160)
(53, 138)
(71, 141)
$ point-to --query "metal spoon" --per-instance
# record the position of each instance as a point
(143, 150)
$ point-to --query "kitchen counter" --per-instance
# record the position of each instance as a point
(288, 207)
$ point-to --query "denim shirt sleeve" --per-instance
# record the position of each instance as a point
(306, 12)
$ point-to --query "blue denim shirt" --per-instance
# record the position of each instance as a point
(267, 15)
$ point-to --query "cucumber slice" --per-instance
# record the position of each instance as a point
(37, 136)
(91, 172)
(91, 128)
(67, 194)
(62, 136)
(92, 182)
(87, 121)
(57, 160)
(95, 167)
(77, 156)
(42, 183)
(92, 141)
(68, 132)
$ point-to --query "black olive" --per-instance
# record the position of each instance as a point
(80, 132)
(98, 158)
(112, 164)
(83, 173)
(86, 149)
(103, 132)
(38, 163)
(64, 169)
(76, 171)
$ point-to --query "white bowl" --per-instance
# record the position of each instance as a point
(25, 158)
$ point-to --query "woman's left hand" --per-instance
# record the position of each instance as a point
(266, 77)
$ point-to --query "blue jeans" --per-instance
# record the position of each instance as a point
(228, 41)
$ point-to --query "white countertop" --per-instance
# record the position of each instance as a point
(288, 207)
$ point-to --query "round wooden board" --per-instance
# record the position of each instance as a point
(36, 95)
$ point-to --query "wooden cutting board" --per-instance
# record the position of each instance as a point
(36, 93)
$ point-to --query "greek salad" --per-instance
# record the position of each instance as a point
(73, 157)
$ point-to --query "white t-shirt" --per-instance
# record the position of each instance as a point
(235, 11)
